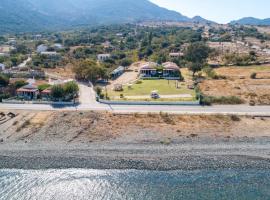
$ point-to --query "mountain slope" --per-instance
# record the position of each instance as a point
(32, 15)
(199, 19)
(252, 21)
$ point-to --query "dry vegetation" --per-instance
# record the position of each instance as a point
(239, 83)
(88, 127)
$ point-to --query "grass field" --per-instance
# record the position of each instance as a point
(164, 87)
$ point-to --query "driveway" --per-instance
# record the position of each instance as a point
(87, 94)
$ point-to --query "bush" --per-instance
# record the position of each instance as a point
(58, 92)
(4, 96)
(230, 100)
(253, 75)
(71, 89)
(139, 82)
(19, 84)
(235, 118)
(43, 87)
(98, 90)
(4, 80)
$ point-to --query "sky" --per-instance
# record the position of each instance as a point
(222, 11)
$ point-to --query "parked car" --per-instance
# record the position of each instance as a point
(155, 95)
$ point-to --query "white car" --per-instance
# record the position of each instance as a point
(155, 95)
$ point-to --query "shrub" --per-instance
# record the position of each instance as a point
(71, 88)
(230, 100)
(4, 96)
(235, 118)
(139, 82)
(4, 80)
(58, 92)
(43, 87)
(253, 75)
(167, 118)
(19, 84)
(98, 90)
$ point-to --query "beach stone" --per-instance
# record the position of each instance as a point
(1, 140)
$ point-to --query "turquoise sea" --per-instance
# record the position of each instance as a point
(80, 184)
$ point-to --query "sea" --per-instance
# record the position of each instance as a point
(86, 184)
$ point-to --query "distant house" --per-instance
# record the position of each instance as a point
(37, 37)
(106, 44)
(58, 46)
(103, 57)
(28, 92)
(50, 53)
(5, 50)
(176, 55)
(42, 48)
(171, 70)
(12, 41)
(46, 94)
(149, 70)
(117, 72)
(2, 67)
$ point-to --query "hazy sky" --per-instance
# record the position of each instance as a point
(221, 11)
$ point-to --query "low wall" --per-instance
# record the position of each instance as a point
(8, 101)
(180, 103)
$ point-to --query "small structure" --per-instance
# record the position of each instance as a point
(171, 70)
(46, 94)
(149, 70)
(106, 44)
(118, 87)
(5, 50)
(117, 72)
(176, 55)
(103, 57)
(50, 53)
(58, 46)
(42, 48)
(2, 67)
(59, 81)
(28, 92)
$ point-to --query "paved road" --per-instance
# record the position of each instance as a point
(24, 63)
(125, 109)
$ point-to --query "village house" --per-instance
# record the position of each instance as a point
(176, 55)
(46, 94)
(5, 50)
(117, 72)
(28, 92)
(2, 67)
(58, 46)
(168, 70)
(103, 57)
(42, 48)
(149, 70)
(171, 71)
(106, 45)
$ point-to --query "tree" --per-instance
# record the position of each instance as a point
(197, 54)
(57, 92)
(71, 89)
(126, 62)
(4, 80)
(19, 84)
(89, 70)
(195, 67)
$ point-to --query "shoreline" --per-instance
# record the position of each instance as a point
(140, 157)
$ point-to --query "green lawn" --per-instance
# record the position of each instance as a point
(164, 87)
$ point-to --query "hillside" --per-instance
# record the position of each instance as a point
(33, 15)
(252, 21)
